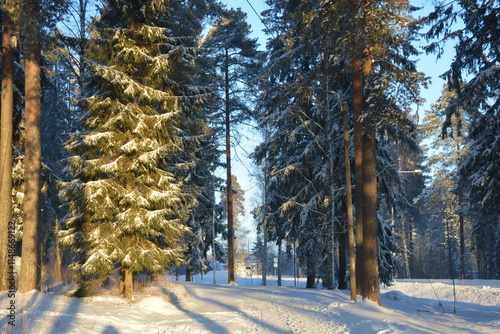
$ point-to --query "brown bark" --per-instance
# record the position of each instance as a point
(188, 269)
(370, 285)
(350, 222)
(30, 277)
(279, 262)
(128, 283)
(358, 168)
(461, 217)
(231, 277)
(6, 147)
(58, 255)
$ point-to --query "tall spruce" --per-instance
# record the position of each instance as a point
(129, 196)
(302, 153)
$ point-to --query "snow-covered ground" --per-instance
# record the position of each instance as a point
(409, 306)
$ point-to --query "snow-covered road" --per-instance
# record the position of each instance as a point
(408, 307)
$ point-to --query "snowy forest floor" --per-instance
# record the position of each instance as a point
(409, 306)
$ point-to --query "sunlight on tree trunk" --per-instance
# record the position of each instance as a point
(6, 145)
(370, 286)
(350, 221)
(30, 277)
(128, 283)
(231, 277)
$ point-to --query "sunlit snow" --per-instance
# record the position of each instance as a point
(410, 306)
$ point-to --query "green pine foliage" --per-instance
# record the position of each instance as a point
(228, 48)
(128, 197)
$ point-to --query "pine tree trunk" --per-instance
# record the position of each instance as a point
(128, 283)
(264, 257)
(461, 215)
(279, 262)
(58, 255)
(30, 277)
(231, 277)
(350, 222)
(188, 267)
(462, 234)
(370, 285)
(330, 276)
(6, 147)
(358, 169)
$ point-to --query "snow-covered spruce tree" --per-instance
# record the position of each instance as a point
(199, 154)
(126, 198)
(476, 63)
(294, 155)
(300, 156)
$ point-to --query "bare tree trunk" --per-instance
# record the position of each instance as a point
(461, 215)
(462, 234)
(30, 277)
(279, 261)
(311, 272)
(264, 256)
(231, 277)
(342, 237)
(448, 234)
(188, 268)
(350, 222)
(330, 256)
(358, 169)
(370, 285)
(128, 283)
(6, 146)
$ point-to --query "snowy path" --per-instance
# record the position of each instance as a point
(262, 310)
(408, 307)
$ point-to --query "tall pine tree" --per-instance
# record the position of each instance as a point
(233, 58)
(6, 134)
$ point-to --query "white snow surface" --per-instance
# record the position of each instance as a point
(409, 306)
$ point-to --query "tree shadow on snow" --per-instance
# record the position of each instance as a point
(206, 322)
(110, 330)
(230, 308)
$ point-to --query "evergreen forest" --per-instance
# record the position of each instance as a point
(120, 118)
